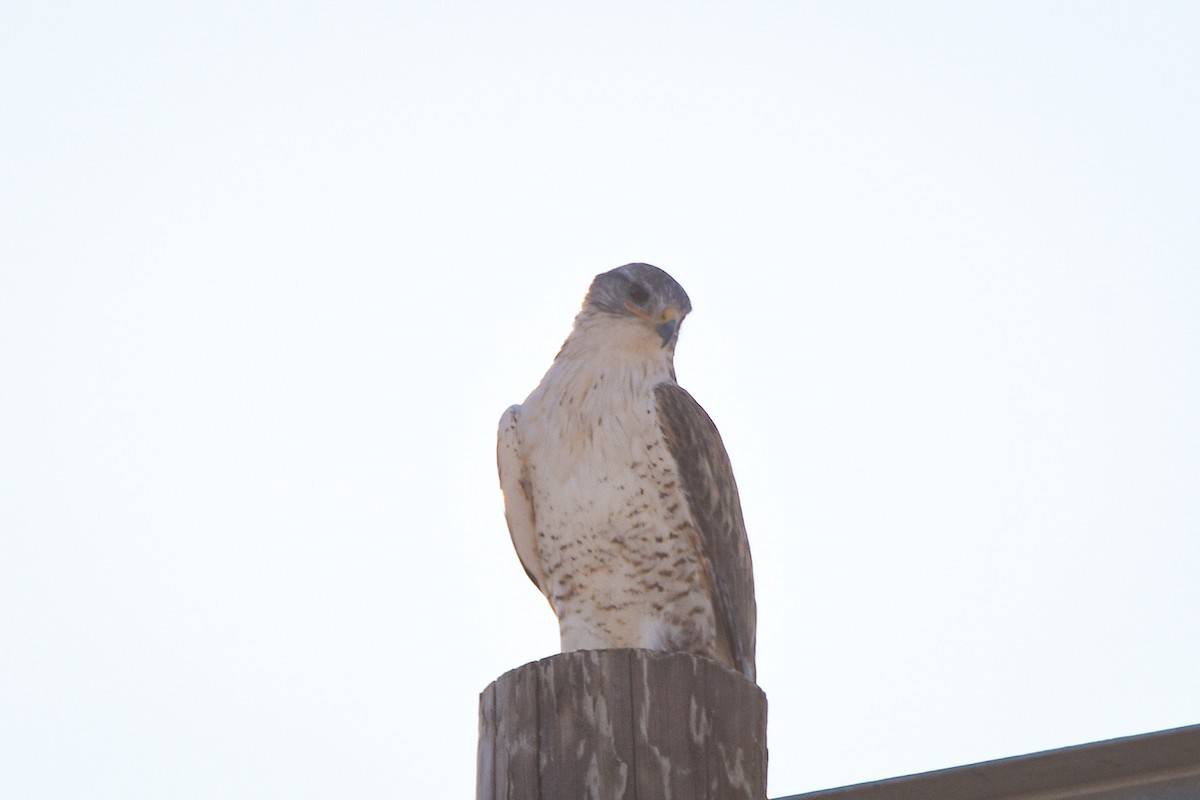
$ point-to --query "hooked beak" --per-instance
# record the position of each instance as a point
(665, 326)
(670, 323)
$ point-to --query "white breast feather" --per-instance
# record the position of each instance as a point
(618, 552)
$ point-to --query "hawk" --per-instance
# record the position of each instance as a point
(618, 492)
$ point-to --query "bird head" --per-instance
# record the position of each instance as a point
(640, 292)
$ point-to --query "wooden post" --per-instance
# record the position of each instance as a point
(622, 725)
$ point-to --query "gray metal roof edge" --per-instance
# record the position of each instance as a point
(1130, 759)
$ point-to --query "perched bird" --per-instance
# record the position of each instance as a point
(618, 492)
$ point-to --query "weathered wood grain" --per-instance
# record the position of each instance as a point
(485, 760)
(622, 725)
(517, 714)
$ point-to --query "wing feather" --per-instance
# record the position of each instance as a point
(707, 479)
(518, 498)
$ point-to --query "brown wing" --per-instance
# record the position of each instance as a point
(707, 479)
(518, 502)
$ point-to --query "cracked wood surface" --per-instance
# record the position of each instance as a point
(622, 725)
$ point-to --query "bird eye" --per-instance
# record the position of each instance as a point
(638, 293)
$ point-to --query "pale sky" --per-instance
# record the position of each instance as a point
(270, 273)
